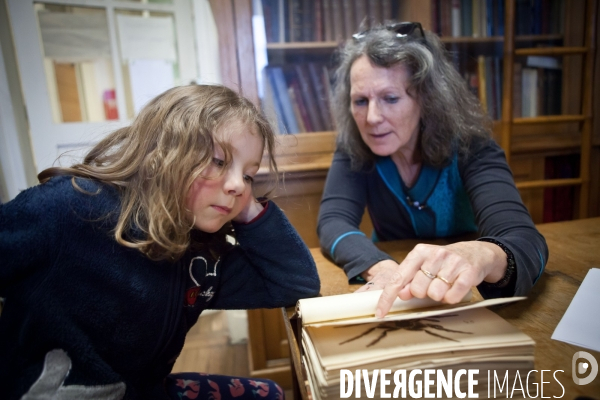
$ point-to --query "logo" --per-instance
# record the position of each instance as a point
(581, 367)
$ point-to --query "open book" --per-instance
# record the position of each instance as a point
(341, 336)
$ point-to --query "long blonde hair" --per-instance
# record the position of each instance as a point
(154, 161)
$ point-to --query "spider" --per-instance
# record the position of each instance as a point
(418, 324)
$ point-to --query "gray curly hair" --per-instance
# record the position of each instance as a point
(451, 116)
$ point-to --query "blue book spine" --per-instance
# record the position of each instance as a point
(466, 23)
(281, 93)
(500, 25)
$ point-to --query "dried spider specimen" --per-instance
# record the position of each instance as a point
(419, 324)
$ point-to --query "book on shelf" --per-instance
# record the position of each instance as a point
(269, 104)
(517, 99)
(297, 19)
(296, 109)
(337, 16)
(539, 17)
(374, 9)
(539, 86)
(475, 18)
(456, 18)
(319, 34)
(485, 18)
(321, 94)
(297, 97)
(348, 15)
(285, 110)
(322, 20)
(466, 17)
(360, 12)
(295, 87)
(340, 335)
(529, 90)
(328, 22)
(445, 9)
(309, 96)
(483, 85)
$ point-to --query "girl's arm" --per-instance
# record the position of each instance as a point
(270, 267)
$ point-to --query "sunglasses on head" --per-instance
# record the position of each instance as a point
(402, 30)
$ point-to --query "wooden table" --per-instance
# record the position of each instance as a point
(574, 249)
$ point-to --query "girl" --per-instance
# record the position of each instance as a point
(107, 264)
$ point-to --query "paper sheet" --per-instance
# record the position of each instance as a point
(358, 308)
(577, 326)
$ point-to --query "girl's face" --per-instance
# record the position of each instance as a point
(386, 115)
(221, 191)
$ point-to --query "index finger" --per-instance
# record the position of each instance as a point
(403, 275)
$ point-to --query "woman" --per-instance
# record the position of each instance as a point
(415, 148)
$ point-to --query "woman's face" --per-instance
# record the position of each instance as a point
(386, 115)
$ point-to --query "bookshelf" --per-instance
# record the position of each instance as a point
(535, 145)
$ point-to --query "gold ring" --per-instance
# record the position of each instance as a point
(428, 274)
(441, 278)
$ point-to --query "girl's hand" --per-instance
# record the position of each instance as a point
(250, 211)
(443, 273)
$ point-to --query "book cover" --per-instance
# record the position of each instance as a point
(466, 17)
(476, 8)
(499, 21)
(328, 91)
(301, 106)
(360, 13)
(269, 103)
(328, 21)
(517, 100)
(529, 92)
(271, 15)
(321, 96)
(482, 82)
(375, 11)
(319, 34)
(293, 100)
(490, 87)
(446, 18)
(489, 18)
(296, 18)
(337, 17)
(348, 13)
(435, 17)
(456, 18)
(282, 97)
(309, 97)
(308, 21)
(483, 19)
(497, 66)
(386, 11)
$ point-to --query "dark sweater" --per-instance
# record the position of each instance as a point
(476, 193)
(121, 318)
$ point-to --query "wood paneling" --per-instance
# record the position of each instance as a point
(224, 19)
(68, 93)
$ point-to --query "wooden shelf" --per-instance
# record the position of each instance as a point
(331, 45)
(303, 46)
(550, 51)
(547, 183)
(549, 119)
